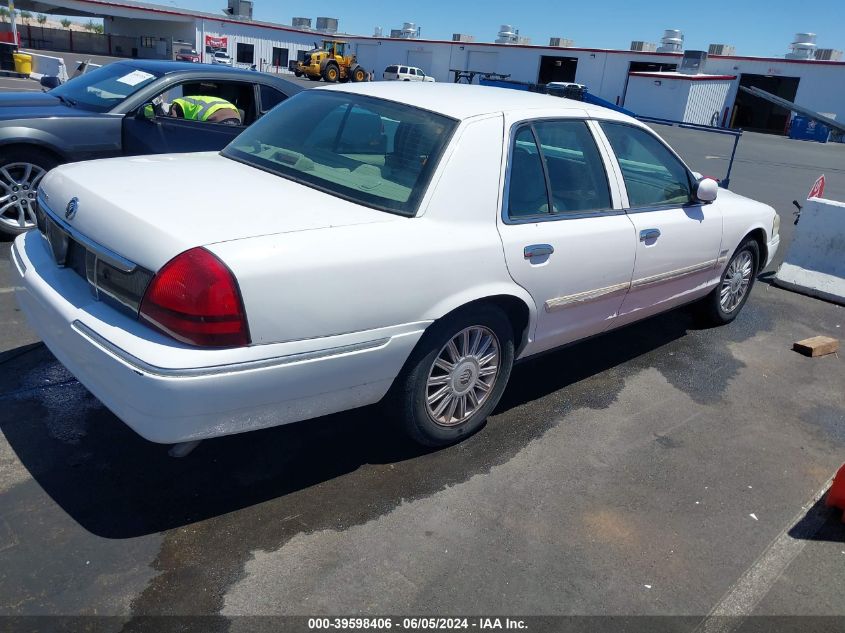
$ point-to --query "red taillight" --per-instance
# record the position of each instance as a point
(194, 299)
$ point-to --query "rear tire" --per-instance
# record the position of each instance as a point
(455, 376)
(358, 75)
(25, 166)
(727, 299)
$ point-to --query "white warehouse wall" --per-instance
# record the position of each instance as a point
(604, 72)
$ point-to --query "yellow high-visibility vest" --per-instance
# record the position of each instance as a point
(201, 108)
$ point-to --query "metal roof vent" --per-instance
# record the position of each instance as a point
(804, 46)
(301, 23)
(671, 42)
(327, 25)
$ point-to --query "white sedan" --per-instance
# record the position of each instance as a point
(369, 242)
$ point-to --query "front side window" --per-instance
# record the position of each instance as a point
(653, 175)
(556, 169)
(374, 152)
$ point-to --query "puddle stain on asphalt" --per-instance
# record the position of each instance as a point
(254, 492)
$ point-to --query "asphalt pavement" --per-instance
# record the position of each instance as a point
(661, 470)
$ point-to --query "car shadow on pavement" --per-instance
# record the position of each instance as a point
(820, 523)
(117, 485)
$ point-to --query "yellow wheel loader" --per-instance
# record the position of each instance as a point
(330, 63)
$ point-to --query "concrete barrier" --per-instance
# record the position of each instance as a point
(815, 261)
(47, 65)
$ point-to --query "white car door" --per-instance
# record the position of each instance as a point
(567, 239)
(678, 238)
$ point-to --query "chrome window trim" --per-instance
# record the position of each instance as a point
(108, 256)
(552, 217)
(141, 367)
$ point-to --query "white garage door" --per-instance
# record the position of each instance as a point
(367, 56)
(483, 61)
(420, 59)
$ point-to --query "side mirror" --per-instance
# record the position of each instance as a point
(146, 111)
(49, 82)
(706, 190)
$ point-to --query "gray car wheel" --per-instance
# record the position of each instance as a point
(21, 172)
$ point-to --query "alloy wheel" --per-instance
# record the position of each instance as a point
(736, 282)
(18, 188)
(462, 376)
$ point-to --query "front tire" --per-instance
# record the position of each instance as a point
(456, 376)
(21, 171)
(331, 73)
(727, 299)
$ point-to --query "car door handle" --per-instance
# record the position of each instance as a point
(538, 250)
(649, 234)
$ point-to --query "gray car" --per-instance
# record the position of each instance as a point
(117, 110)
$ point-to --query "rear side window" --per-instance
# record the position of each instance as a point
(556, 169)
(527, 194)
(577, 175)
(653, 175)
(403, 70)
(270, 98)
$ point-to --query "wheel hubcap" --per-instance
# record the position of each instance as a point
(462, 376)
(18, 187)
(736, 281)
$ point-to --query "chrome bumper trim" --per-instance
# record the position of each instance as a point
(143, 368)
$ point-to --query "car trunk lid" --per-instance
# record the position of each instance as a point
(149, 209)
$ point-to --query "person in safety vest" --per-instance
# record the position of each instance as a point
(211, 109)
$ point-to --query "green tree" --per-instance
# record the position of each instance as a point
(94, 28)
(41, 19)
(66, 23)
(26, 16)
(4, 13)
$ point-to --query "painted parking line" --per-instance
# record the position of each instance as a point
(740, 600)
(4, 291)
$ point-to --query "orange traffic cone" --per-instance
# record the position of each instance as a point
(836, 495)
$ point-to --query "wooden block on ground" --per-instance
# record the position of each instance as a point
(816, 346)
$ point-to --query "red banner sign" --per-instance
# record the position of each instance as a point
(818, 189)
(217, 42)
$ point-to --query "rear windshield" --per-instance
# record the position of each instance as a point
(373, 152)
(391, 69)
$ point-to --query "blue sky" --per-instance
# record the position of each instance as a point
(754, 27)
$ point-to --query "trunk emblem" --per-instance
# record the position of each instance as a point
(72, 208)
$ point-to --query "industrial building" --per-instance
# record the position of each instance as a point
(655, 80)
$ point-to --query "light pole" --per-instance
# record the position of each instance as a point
(14, 22)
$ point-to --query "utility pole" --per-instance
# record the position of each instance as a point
(14, 22)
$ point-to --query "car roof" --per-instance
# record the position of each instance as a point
(166, 66)
(462, 101)
(217, 71)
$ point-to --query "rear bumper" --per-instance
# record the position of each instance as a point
(171, 393)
